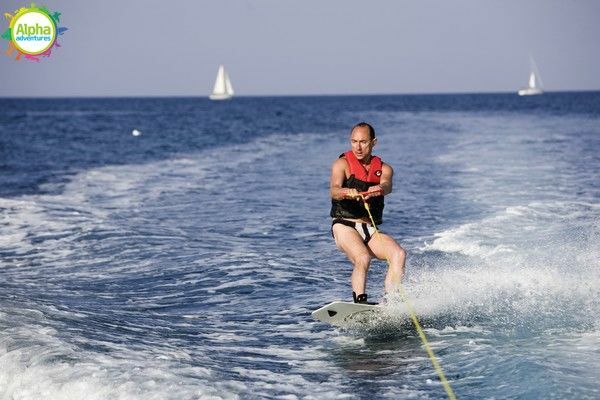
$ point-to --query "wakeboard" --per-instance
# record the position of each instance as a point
(342, 313)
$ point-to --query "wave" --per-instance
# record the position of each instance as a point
(534, 266)
(97, 278)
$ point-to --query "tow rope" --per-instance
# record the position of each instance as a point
(413, 315)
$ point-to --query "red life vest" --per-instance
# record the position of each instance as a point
(361, 180)
(359, 171)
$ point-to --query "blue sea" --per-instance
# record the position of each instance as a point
(184, 263)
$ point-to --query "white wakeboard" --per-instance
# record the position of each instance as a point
(344, 313)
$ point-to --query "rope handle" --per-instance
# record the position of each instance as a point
(361, 195)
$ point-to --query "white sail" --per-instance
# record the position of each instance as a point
(222, 89)
(535, 82)
(228, 87)
(532, 80)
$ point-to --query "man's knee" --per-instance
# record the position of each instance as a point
(399, 254)
(362, 261)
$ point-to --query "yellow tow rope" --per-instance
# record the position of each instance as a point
(415, 320)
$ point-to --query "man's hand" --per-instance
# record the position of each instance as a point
(373, 191)
(352, 194)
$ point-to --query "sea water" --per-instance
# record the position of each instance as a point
(183, 262)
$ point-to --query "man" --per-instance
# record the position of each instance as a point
(354, 172)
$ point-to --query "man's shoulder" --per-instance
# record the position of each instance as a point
(383, 163)
(339, 166)
(341, 161)
(386, 167)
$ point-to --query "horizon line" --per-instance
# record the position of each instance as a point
(290, 95)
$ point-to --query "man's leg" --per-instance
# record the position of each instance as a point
(349, 241)
(384, 247)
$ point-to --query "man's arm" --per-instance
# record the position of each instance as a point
(338, 174)
(385, 182)
(387, 175)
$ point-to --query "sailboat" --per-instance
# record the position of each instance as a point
(535, 81)
(222, 89)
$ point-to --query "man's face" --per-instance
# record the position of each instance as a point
(361, 142)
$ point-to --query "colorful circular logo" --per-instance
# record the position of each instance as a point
(33, 31)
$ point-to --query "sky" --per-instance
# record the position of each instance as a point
(323, 47)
